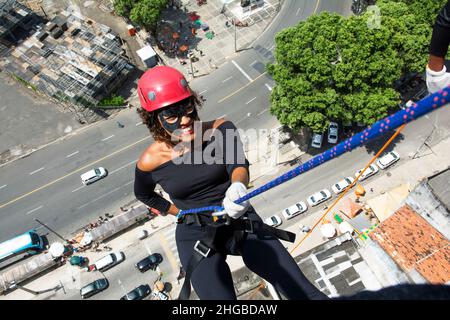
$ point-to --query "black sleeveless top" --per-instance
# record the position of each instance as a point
(198, 178)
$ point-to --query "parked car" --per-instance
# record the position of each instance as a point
(94, 288)
(388, 159)
(109, 261)
(333, 132)
(319, 197)
(273, 221)
(150, 262)
(294, 210)
(370, 171)
(138, 293)
(317, 140)
(341, 185)
(93, 175)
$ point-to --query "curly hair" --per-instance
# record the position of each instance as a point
(150, 119)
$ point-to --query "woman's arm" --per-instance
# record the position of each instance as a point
(440, 39)
(240, 174)
(144, 186)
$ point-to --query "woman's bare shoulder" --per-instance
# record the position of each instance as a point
(152, 157)
(218, 122)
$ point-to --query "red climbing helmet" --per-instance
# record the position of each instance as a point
(162, 86)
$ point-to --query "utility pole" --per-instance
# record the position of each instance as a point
(235, 35)
(190, 56)
(57, 234)
(14, 285)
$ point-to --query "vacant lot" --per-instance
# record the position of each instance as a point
(27, 120)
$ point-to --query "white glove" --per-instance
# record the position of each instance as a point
(437, 80)
(235, 191)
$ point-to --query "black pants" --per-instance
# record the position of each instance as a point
(261, 253)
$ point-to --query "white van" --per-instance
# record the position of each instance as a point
(109, 261)
(93, 175)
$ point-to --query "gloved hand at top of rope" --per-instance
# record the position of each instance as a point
(437, 80)
(235, 191)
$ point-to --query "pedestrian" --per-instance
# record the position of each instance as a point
(437, 76)
(371, 189)
(181, 25)
(169, 110)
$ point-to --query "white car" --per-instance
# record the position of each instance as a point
(387, 160)
(317, 140)
(109, 261)
(294, 210)
(341, 185)
(273, 221)
(370, 171)
(319, 197)
(333, 132)
(93, 175)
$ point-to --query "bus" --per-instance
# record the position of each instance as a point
(29, 241)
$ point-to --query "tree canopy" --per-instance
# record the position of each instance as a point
(331, 68)
(142, 12)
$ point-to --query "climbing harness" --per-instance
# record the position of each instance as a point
(209, 245)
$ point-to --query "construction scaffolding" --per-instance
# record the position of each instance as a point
(70, 58)
(14, 19)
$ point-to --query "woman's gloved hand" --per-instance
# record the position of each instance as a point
(235, 191)
(437, 80)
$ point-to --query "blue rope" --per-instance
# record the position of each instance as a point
(422, 107)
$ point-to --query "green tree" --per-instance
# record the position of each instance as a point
(123, 7)
(331, 68)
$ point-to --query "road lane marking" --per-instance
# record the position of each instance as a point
(251, 64)
(3, 186)
(298, 11)
(229, 78)
(240, 89)
(250, 100)
(35, 209)
(107, 138)
(102, 196)
(317, 6)
(265, 110)
(202, 92)
(35, 171)
(129, 182)
(72, 154)
(169, 254)
(124, 166)
(268, 87)
(222, 116)
(76, 171)
(241, 70)
(139, 123)
(271, 48)
(78, 189)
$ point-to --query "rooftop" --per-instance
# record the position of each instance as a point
(414, 244)
(337, 268)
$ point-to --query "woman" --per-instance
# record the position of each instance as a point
(177, 161)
